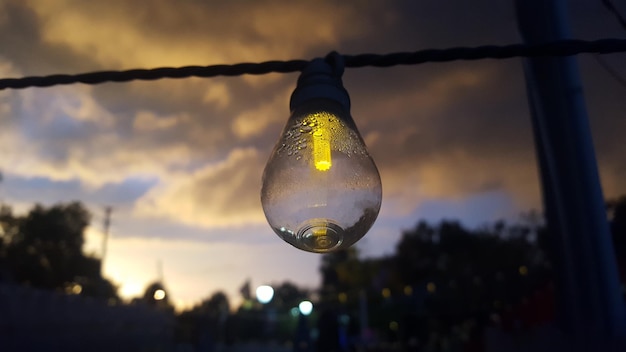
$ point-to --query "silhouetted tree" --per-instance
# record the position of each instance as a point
(205, 323)
(44, 249)
(5, 228)
(441, 278)
(330, 264)
(47, 248)
(287, 295)
(343, 273)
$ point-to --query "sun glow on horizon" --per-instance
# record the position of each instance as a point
(192, 270)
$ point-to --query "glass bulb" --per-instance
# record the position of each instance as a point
(321, 189)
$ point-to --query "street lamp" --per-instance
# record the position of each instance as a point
(264, 294)
(159, 295)
(305, 308)
(302, 341)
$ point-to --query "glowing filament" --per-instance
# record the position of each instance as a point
(321, 149)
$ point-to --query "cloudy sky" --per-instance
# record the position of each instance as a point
(181, 160)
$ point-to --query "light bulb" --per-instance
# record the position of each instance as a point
(321, 189)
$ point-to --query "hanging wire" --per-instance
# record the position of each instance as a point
(558, 48)
(611, 7)
(616, 75)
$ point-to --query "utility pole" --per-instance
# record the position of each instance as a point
(591, 310)
(105, 235)
(160, 271)
(1, 179)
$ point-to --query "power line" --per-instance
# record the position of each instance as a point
(609, 6)
(605, 65)
(105, 234)
(557, 48)
(610, 70)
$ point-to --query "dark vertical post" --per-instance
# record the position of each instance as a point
(592, 307)
(105, 236)
(363, 315)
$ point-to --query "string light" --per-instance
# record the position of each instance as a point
(321, 189)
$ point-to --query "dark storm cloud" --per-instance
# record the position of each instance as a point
(437, 131)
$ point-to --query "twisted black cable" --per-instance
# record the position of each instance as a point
(558, 48)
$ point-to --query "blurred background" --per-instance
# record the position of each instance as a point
(131, 216)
